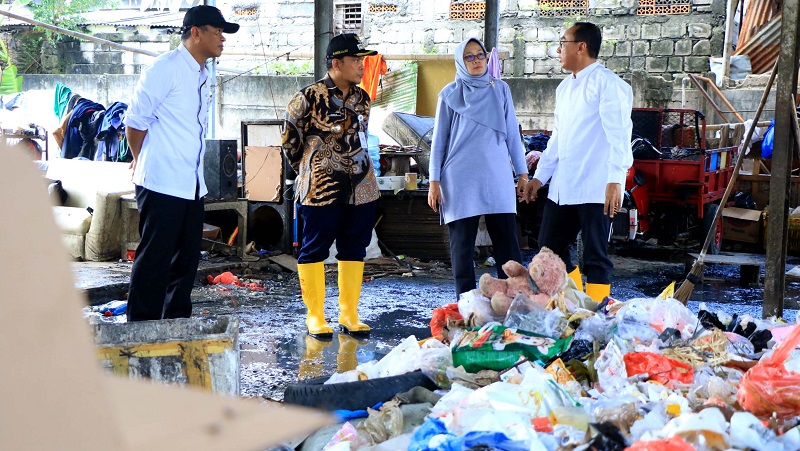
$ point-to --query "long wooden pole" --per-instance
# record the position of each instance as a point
(779, 186)
(727, 47)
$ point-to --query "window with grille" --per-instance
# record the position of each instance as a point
(468, 11)
(348, 17)
(654, 7)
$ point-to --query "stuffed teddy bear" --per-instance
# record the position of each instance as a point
(547, 273)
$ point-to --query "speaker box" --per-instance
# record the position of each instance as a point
(219, 169)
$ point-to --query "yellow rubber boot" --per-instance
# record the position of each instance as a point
(311, 365)
(598, 291)
(576, 277)
(346, 359)
(351, 274)
(312, 284)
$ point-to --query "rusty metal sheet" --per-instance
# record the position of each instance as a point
(763, 47)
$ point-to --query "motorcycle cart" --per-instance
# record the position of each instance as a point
(673, 189)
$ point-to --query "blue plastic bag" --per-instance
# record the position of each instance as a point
(769, 140)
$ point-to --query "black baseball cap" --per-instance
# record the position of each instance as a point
(200, 15)
(347, 44)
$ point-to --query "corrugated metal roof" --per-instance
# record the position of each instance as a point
(118, 17)
(134, 18)
(763, 47)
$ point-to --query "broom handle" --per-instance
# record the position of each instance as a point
(744, 145)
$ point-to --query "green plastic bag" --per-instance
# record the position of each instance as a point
(496, 347)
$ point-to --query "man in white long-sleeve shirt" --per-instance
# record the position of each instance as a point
(586, 159)
(165, 128)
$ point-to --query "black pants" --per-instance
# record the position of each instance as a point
(349, 225)
(560, 226)
(502, 229)
(165, 266)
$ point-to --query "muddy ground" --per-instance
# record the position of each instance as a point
(397, 302)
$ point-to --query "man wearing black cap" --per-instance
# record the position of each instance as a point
(165, 127)
(336, 190)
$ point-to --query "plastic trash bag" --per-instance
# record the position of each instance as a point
(676, 443)
(434, 359)
(380, 425)
(402, 359)
(477, 308)
(496, 347)
(442, 316)
(527, 315)
(660, 314)
(769, 387)
(658, 368)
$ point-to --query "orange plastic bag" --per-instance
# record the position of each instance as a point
(440, 317)
(659, 368)
(768, 387)
(226, 278)
(676, 443)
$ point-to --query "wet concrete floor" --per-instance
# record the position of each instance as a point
(275, 350)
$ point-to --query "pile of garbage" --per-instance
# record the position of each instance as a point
(646, 374)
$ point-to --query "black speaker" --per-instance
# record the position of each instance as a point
(219, 169)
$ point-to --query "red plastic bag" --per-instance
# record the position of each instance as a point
(676, 443)
(659, 368)
(440, 317)
(768, 387)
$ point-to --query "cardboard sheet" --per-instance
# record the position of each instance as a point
(54, 394)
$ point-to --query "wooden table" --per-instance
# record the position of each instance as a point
(749, 264)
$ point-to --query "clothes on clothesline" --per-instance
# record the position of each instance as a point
(87, 129)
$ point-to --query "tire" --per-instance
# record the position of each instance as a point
(353, 395)
(709, 211)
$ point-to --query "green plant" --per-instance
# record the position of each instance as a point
(64, 14)
(28, 52)
(10, 82)
(280, 67)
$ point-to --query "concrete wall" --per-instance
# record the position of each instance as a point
(261, 97)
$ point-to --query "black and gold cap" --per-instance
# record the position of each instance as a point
(347, 44)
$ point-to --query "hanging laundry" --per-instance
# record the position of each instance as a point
(374, 67)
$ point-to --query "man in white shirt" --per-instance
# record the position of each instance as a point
(586, 159)
(165, 128)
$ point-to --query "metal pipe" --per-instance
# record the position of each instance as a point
(490, 24)
(503, 54)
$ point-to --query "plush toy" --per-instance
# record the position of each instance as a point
(545, 277)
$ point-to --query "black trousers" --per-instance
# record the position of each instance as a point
(560, 226)
(165, 266)
(502, 229)
(349, 225)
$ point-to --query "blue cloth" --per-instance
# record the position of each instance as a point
(473, 96)
(107, 134)
(422, 436)
(71, 147)
(347, 415)
(769, 141)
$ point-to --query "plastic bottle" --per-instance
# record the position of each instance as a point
(374, 152)
(113, 308)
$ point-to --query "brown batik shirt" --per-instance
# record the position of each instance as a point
(321, 141)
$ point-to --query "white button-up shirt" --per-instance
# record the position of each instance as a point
(591, 142)
(171, 102)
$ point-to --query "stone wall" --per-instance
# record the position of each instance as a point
(665, 45)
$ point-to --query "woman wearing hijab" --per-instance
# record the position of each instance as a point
(475, 152)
